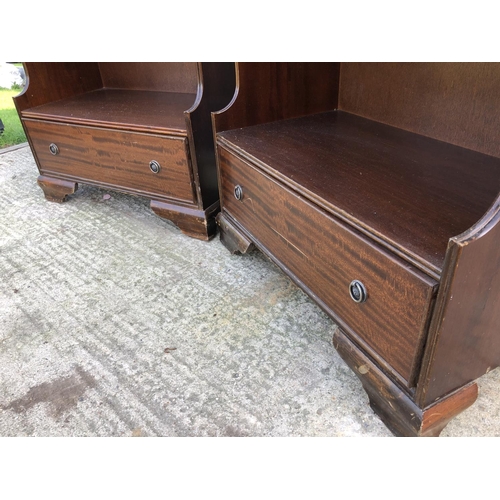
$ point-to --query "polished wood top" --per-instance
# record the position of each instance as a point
(148, 111)
(410, 192)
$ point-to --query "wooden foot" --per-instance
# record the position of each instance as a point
(393, 405)
(232, 238)
(56, 189)
(193, 222)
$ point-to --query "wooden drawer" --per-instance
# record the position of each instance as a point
(116, 159)
(325, 255)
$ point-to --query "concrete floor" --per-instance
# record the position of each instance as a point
(113, 323)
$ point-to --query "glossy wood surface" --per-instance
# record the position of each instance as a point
(147, 111)
(410, 160)
(114, 158)
(56, 189)
(396, 408)
(453, 102)
(192, 221)
(177, 77)
(114, 118)
(326, 256)
(217, 86)
(410, 192)
(464, 341)
(48, 82)
(275, 91)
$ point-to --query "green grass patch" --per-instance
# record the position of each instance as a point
(13, 133)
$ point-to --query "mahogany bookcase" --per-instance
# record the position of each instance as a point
(375, 188)
(141, 128)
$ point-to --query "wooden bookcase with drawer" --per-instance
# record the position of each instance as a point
(140, 128)
(375, 187)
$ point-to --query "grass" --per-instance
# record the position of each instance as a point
(13, 133)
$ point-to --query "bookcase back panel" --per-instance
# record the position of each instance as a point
(54, 81)
(457, 103)
(277, 91)
(167, 77)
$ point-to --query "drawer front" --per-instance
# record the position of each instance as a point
(327, 256)
(115, 158)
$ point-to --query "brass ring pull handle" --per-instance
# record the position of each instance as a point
(54, 149)
(357, 291)
(154, 166)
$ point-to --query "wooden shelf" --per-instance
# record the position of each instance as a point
(410, 192)
(138, 110)
(375, 188)
(138, 128)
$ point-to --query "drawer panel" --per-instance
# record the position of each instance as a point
(326, 256)
(115, 158)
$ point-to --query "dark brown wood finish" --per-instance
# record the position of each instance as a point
(410, 192)
(194, 222)
(143, 111)
(325, 255)
(110, 120)
(453, 102)
(48, 82)
(232, 238)
(56, 189)
(268, 92)
(395, 408)
(464, 341)
(177, 77)
(218, 83)
(116, 159)
(405, 174)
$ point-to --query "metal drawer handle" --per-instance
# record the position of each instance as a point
(54, 149)
(357, 291)
(238, 192)
(154, 166)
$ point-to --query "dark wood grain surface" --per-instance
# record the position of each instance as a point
(160, 112)
(453, 102)
(411, 160)
(326, 256)
(111, 119)
(218, 81)
(177, 77)
(395, 408)
(192, 221)
(412, 192)
(56, 189)
(464, 338)
(53, 81)
(277, 90)
(114, 158)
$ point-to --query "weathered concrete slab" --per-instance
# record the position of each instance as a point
(113, 323)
